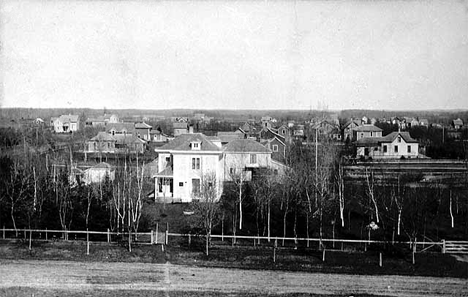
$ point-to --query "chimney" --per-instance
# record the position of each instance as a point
(190, 129)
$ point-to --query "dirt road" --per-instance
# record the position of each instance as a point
(56, 276)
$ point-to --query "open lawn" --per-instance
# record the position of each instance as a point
(70, 278)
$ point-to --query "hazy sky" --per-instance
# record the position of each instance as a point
(234, 54)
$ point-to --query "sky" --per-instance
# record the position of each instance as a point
(201, 54)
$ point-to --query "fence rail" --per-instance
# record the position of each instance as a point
(158, 237)
(456, 247)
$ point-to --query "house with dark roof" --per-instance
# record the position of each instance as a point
(124, 129)
(101, 143)
(228, 136)
(247, 157)
(180, 128)
(183, 163)
(277, 147)
(143, 130)
(394, 145)
(348, 128)
(365, 131)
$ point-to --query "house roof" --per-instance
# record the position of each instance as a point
(142, 126)
(367, 128)
(245, 146)
(405, 135)
(355, 121)
(166, 172)
(103, 136)
(127, 139)
(183, 141)
(129, 127)
(372, 141)
(266, 141)
(69, 118)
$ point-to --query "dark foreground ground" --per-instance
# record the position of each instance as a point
(63, 269)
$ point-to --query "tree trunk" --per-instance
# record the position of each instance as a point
(451, 212)
(269, 221)
(240, 206)
(12, 210)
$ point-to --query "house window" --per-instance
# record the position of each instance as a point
(371, 134)
(168, 159)
(181, 184)
(113, 132)
(196, 186)
(399, 138)
(396, 149)
(384, 148)
(362, 135)
(253, 159)
(409, 148)
(195, 163)
(275, 147)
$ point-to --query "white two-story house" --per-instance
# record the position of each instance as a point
(183, 163)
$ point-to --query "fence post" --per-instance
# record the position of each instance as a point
(30, 238)
(274, 254)
(108, 235)
(189, 240)
(152, 237)
(323, 255)
(46, 233)
(380, 259)
(3, 231)
(443, 246)
(24, 233)
(157, 233)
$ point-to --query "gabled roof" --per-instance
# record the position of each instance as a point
(142, 126)
(355, 121)
(405, 135)
(367, 128)
(103, 136)
(265, 141)
(245, 146)
(119, 127)
(183, 141)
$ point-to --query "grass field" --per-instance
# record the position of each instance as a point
(63, 269)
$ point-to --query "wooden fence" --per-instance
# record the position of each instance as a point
(164, 237)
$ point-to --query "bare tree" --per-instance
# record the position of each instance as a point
(239, 176)
(206, 205)
(265, 188)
